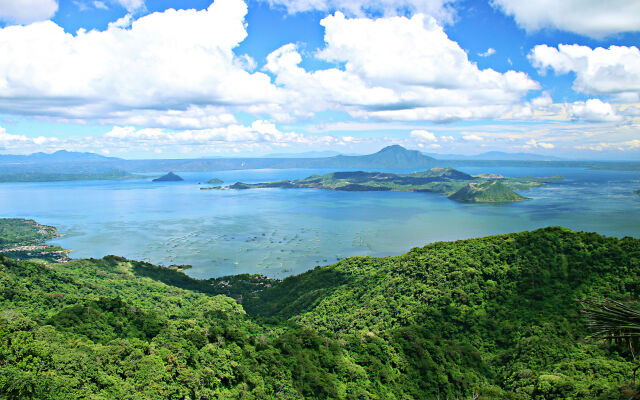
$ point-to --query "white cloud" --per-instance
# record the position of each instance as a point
(594, 18)
(423, 136)
(132, 5)
(628, 145)
(27, 11)
(259, 136)
(472, 138)
(100, 4)
(594, 110)
(490, 51)
(165, 61)
(535, 144)
(439, 9)
(390, 74)
(615, 70)
(193, 117)
(122, 22)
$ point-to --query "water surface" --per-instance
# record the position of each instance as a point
(279, 232)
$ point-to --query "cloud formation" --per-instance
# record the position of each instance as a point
(615, 70)
(260, 136)
(442, 10)
(27, 11)
(164, 61)
(593, 18)
(389, 73)
(423, 136)
(132, 5)
(594, 110)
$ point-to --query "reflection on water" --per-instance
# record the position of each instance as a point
(280, 232)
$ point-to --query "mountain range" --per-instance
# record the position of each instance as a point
(389, 158)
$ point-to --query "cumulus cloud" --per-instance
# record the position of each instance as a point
(594, 18)
(390, 74)
(27, 11)
(423, 136)
(439, 9)
(163, 61)
(490, 51)
(594, 110)
(615, 70)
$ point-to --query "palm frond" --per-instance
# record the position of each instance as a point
(613, 321)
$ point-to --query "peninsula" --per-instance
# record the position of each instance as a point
(457, 185)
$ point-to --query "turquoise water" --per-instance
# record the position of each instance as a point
(279, 232)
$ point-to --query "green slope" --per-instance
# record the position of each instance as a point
(486, 192)
(494, 317)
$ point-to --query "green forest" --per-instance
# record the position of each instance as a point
(488, 318)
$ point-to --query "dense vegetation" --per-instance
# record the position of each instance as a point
(457, 185)
(491, 318)
(23, 232)
(486, 192)
(23, 239)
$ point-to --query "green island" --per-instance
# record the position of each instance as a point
(487, 318)
(23, 239)
(450, 182)
(170, 177)
(215, 181)
(636, 191)
(61, 176)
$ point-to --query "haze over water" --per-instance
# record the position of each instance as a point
(280, 232)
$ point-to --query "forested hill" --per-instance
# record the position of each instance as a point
(487, 318)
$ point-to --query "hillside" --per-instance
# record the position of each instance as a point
(486, 192)
(488, 318)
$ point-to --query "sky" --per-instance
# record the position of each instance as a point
(192, 78)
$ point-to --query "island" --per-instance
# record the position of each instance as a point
(457, 185)
(215, 181)
(636, 191)
(170, 177)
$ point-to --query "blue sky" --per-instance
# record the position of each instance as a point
(140, 80)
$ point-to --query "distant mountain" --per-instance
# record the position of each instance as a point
(390, 157)
(58, 156)
(496, 155)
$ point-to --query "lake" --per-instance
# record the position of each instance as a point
(280, 232)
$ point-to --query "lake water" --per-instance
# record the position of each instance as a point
(279, 232)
